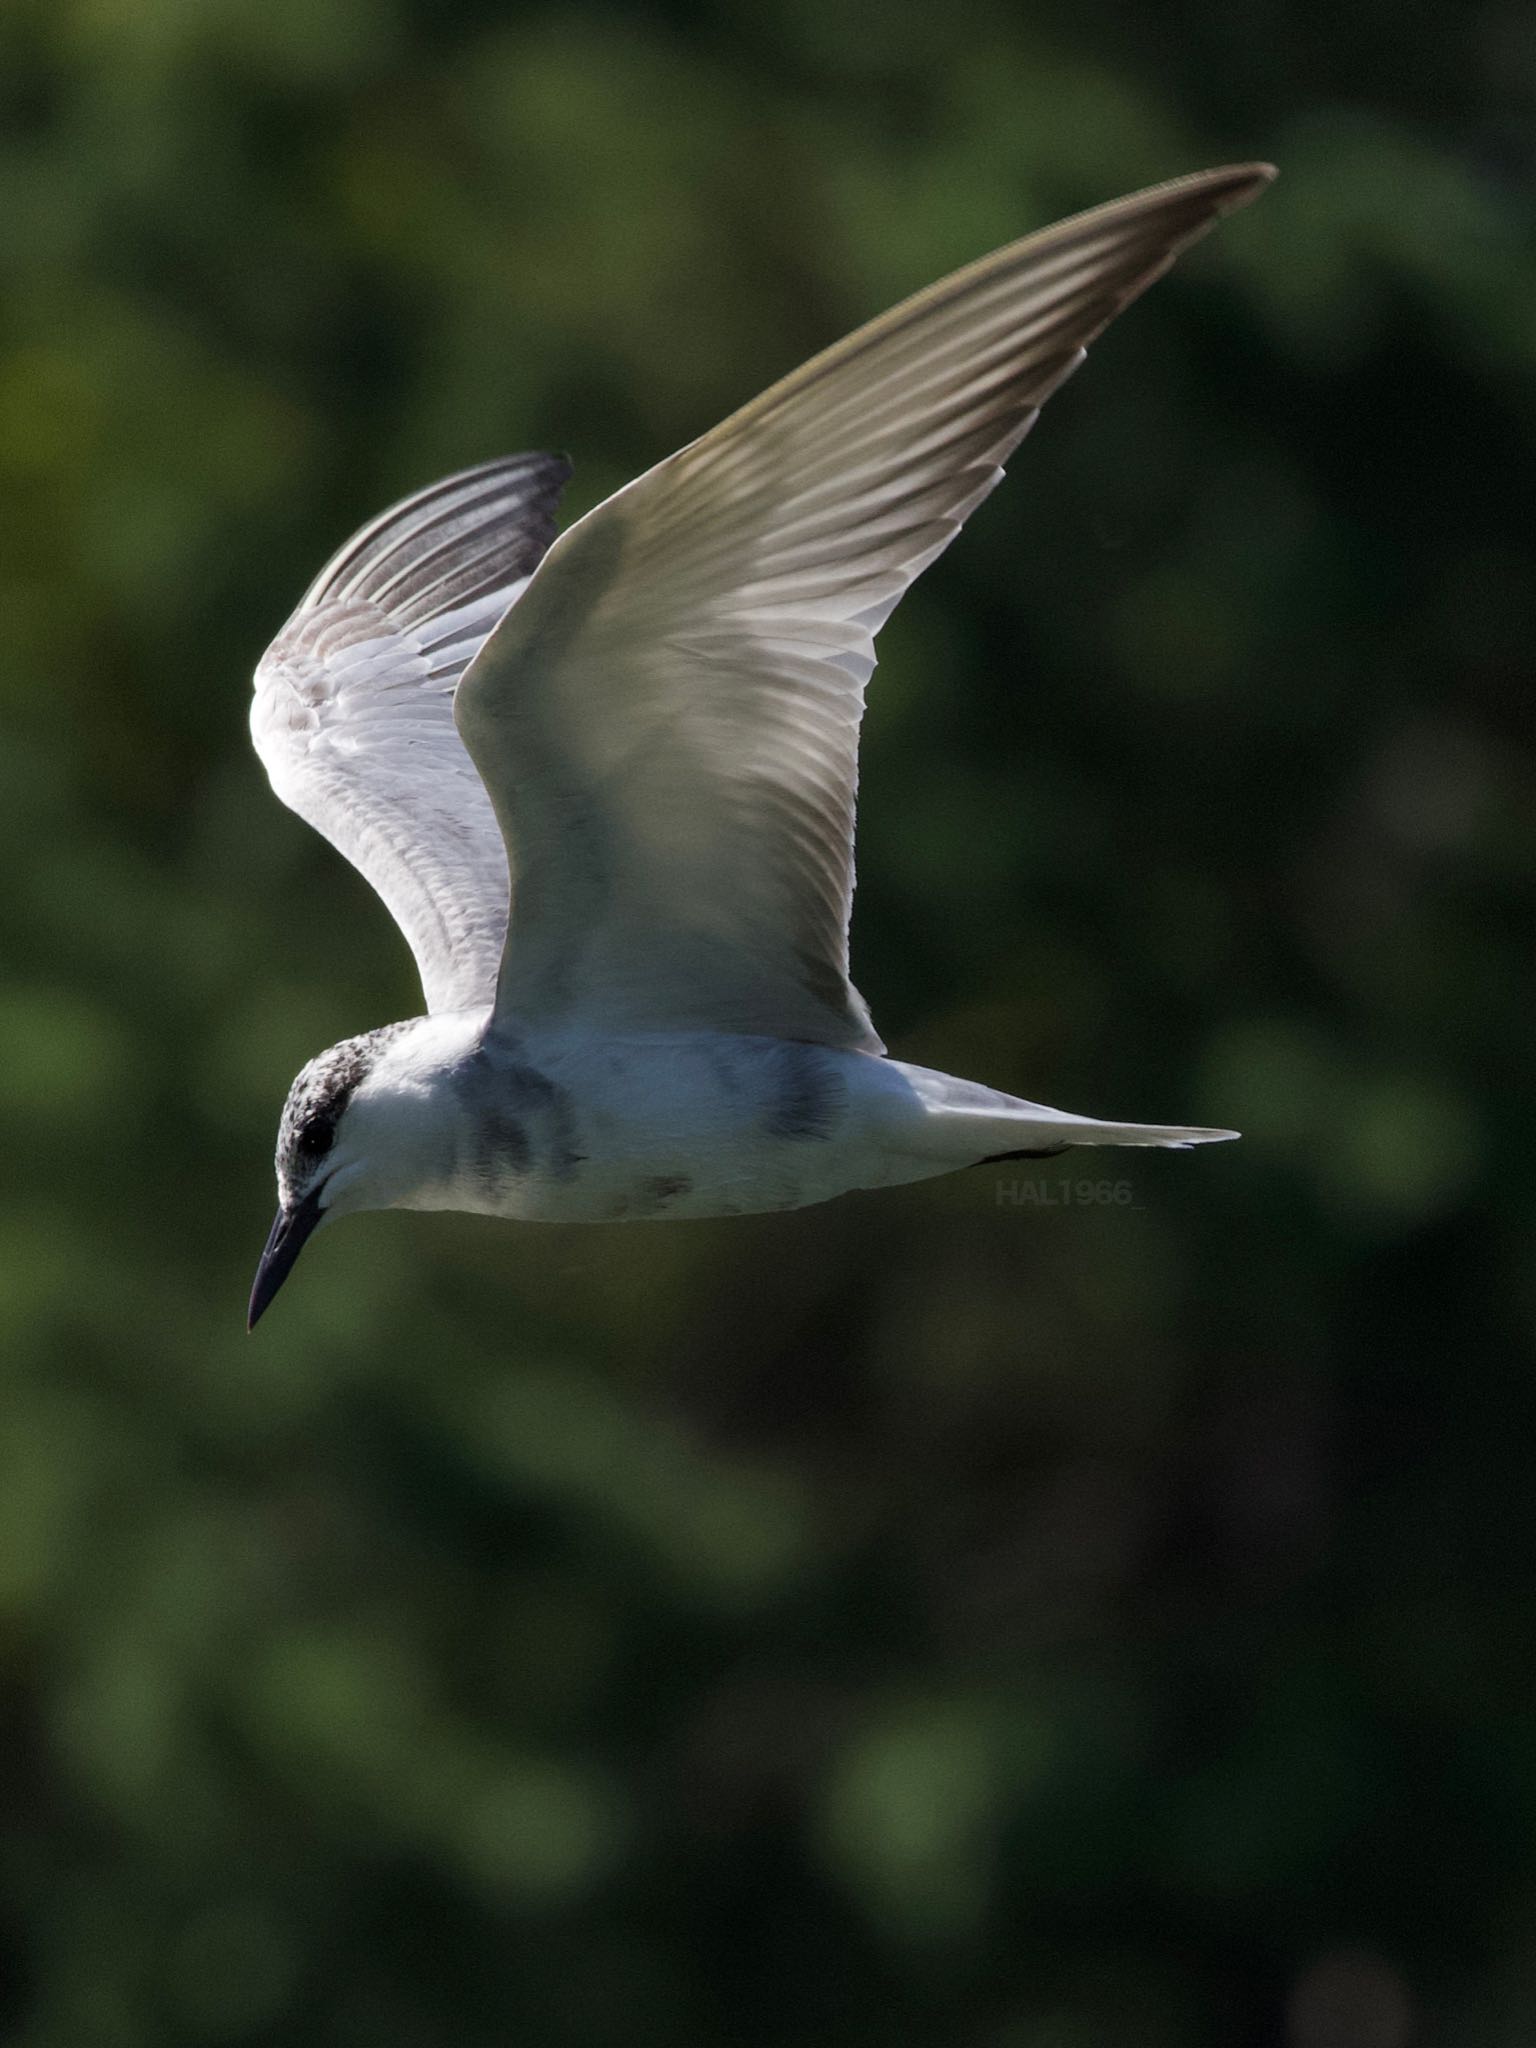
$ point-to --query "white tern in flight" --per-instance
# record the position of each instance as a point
(605, 782)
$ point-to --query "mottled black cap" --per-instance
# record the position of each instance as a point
(317, 1099)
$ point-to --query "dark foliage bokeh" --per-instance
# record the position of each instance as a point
(1002, 1613)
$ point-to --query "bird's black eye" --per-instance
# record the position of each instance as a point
(314, 1139)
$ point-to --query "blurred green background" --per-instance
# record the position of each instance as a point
(942, 1617)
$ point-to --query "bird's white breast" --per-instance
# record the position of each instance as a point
(577, 1126)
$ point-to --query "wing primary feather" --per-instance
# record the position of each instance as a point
(517, 479)
(667, 721)
(353, 711)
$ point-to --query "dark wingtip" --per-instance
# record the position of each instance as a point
(1247, 182)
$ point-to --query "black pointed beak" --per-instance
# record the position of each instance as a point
(289, 1234)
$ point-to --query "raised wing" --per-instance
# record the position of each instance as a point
(353, 713)
(668, 722)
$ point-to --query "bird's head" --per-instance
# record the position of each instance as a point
(320, 1168)
(353, 1135)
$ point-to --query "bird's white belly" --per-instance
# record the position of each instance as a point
(584, 1128)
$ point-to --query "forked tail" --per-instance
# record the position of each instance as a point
(966, 1123)
(1045, 1132)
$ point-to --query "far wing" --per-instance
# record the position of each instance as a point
(353, 713)
(668, 721)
